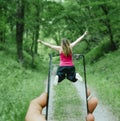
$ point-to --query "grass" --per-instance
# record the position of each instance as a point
(18, 85)
(104, 77)
(67, 103)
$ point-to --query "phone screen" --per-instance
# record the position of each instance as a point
(81, 87)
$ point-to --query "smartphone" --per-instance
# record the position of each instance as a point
(81, 87)
(48, 87)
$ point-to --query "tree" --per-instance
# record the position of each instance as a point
(107, 23)
(3, 20)
(20, 28)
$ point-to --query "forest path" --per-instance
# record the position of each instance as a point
(101, 112)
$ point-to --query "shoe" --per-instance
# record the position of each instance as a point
(56, 80)
(78, 77)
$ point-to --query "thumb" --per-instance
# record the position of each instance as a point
(42, 99)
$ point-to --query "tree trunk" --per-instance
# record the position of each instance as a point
(1, 36)
(20, 29)
(32, 50)
(108, 25)
(37, 27)
(36, 38)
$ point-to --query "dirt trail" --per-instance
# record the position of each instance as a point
(101, 113)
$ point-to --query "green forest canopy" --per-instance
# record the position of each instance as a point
(24, 21)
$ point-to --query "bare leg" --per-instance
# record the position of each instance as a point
(56, 80)
(78, 77)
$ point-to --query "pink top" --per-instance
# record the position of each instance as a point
(66, 60)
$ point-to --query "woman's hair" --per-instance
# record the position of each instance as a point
(66, 49)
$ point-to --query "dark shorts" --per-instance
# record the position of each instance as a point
(66, 72)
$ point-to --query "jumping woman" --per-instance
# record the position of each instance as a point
(66, 67)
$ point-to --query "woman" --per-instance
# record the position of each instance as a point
(66, 68)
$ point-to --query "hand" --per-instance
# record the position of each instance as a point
(86, 32)
(39, 41)
(35, 109)
(92, 103)
(34, 112)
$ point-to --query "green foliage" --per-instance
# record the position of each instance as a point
(19, 83)
(97, 52)
(104, 76)
(2, 22)
(80, 48)
(67, 19)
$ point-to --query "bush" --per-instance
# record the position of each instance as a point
(80, 48)
(98, 52)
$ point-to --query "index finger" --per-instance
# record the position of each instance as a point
(35, 109)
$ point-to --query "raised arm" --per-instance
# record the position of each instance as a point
(50, 45)
(78, 40)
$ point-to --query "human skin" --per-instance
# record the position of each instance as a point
(36, 106)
